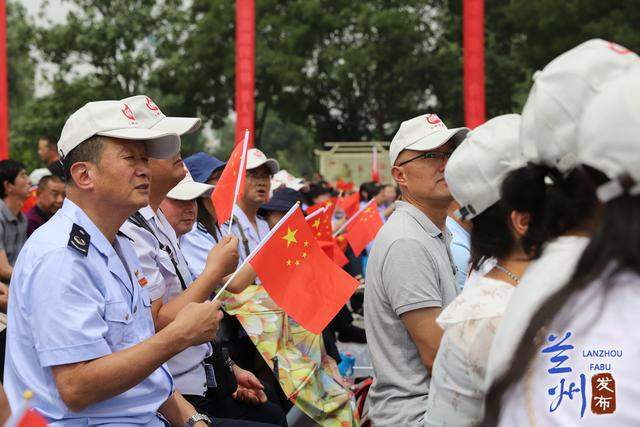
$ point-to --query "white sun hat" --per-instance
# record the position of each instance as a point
(422, 133)
(476, 169)
(188, 189)
(115, 119)
(559, 94)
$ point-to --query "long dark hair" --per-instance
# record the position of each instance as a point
(207, 221)
(491, 235)
(557, 202)
(620, 222)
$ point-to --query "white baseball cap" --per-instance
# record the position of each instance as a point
(256, 158)
(476, 169)
(559, 94)
(114, 119)
(422, 133)
(609, 136)
(150, 116)
(284, 178)
(188, 189)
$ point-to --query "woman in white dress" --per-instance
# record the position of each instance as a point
(577, 361)
(456, 392)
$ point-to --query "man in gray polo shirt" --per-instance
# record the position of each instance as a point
(15, 185)
(410, 273)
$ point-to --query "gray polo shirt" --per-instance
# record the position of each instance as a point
(410, 267)
(13, 232)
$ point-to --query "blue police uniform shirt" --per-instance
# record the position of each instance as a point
(460, 250)
(76, 297)
(196, 245)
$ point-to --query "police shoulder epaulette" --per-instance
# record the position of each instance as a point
(201, 227)
(79, 239)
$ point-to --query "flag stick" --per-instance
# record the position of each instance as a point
(243, 160)
(350, 220)
(255, 251)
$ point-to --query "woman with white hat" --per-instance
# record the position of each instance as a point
(474, 175)
(577, 361)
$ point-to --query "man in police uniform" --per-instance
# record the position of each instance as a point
(81, 335)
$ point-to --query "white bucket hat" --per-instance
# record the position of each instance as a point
(476, 169)
(609, 136)
(559, 94)
(115, 119)
(150, 116)
(422, 133)
(188, 189)
(256, 158)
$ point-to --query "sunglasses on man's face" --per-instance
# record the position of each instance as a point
(434, 155)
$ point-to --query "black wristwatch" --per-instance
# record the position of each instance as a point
(193, 419)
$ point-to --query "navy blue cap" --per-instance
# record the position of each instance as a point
(201, 166)
(282, 200)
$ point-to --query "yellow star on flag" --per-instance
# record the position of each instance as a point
(288, 262)
(297, 262)
(304, 254)
(316, 223)
(290, 237)
(306, 243)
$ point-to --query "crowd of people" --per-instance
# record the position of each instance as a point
(499, 291)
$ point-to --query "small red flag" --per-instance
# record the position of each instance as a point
(375, 173)
(299, 276)
(320, 224)
(363, 227)
(228, 188)
(350, 204)
(28, 417)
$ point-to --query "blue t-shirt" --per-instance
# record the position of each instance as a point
(460, 250)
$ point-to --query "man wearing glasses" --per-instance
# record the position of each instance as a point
(247, 226)
(410, 274)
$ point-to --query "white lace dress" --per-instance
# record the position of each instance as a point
(458, 379)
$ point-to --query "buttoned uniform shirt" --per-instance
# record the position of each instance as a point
(246, 233)
(76, 297)
(410, 267)
(196, 245)
(164, 283)
(13, 232)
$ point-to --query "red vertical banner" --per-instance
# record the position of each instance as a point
(4, 88)
(245, 68)
(473, 47)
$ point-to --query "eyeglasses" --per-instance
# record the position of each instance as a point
(435, 155)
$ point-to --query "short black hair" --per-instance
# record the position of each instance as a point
(9, 170)
(88, 151)
(44, 181)
(51, 141)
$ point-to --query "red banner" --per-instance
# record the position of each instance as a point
(4, 90)
(473, 47)
(245, 63)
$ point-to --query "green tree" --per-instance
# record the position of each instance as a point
(20, 67)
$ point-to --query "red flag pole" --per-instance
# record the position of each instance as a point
(473, 56)
(4, 89)
(245, 68)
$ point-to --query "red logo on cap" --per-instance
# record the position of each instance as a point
(153, 107)
(618, 49)
(433, 119)
(128, 113)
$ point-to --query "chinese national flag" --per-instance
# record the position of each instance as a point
(223, 194)
(363, 227)
(299, 276)
(350, 204)
(320, 225)
(28, 417)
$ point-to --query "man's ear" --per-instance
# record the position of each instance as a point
(520, 222)
(83, 174)
(397, 172)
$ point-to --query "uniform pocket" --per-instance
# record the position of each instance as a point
(118, 317)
